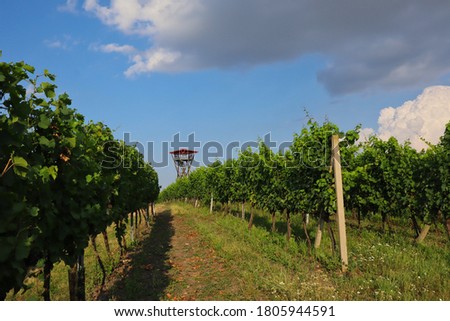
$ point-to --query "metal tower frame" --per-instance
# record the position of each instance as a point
(183, 159)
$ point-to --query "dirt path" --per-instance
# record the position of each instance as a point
(197, 273)
(172, 263)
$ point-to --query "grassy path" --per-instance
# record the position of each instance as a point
(189, 254)
(192, 255)
(172, 263)
(197, 272)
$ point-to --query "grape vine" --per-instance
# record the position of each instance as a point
(62, 181)
(380, 177)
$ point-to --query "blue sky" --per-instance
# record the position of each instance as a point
(234, 70)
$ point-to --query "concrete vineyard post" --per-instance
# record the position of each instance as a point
(340, 213)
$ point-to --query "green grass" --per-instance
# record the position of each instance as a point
(267, 267)
(257, 264)
(382, 266)
(392, 267)
(59, 287)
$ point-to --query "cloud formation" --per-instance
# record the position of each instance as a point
(68, 6)
(424, 117)
(113, 47)
(367, 44)
(152, 60)
(66, 42)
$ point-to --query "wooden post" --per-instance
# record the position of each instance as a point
(423, 233)
(81, 278)
(318, 239)
(211, 205)
(340, 213)
(132, 227)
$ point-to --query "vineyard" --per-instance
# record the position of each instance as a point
(63, 181)
(390, 188)
(265, 219)
(380, 178)
(257, 264)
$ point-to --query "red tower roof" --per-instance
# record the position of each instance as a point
(183, 151)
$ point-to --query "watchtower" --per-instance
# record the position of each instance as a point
(183, 159)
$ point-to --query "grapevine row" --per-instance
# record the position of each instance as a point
(62, 180)
(380, 177)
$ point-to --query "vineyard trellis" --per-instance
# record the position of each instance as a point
(380, 177)
(63, 181)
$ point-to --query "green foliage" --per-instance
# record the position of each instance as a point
(298, 182)
(395, 180)
(55, 188)
(381, 178)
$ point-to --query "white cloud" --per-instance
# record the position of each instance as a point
(113, 47)
(365, 134)
(69, 6)
(66, 42)
(55, 44)
(368, 44)
(146, 17)
(424, 117)
(153, 60)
